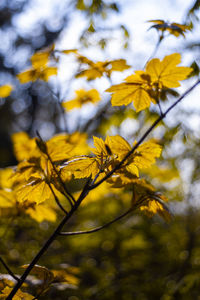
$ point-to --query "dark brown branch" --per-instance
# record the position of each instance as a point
(99, 227)
(85, 192)
(68, 195)
(57, 200)
(9, 270)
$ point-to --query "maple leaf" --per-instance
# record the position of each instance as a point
(24, 146)
(82, 167)
(98, 69)
(41, 212)
(19, 295)
(5, 90)
(175, 29)
(81, 98)
(144, 87)
(153, 206)
(40, 68)
(109, 153)
(65, 276)
(165, 73)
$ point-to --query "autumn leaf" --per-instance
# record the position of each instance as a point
(175, 29)
(5, 90)
(144, 87)
(24, 146)
(69, 51)
(165, 73)
(40, 59)
(146, 153)
(153, 207)
(65, 276)
(82, 167)
(42, 273)
(109, 153)
(40, 69)
(118, 145)
(98, 69)
(82, 97)
(36, 190)
(19, 295)
(41, 212)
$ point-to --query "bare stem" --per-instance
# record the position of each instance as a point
(85, 192)
(99, 227)
(68, 195)
(57, 200)
(158, 120)
(9, 270)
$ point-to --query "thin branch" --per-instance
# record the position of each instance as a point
(57, 200)
(84, 193)
(160, 39)
(69, 197)
(9, 270)
(118, 166)
(99, 227)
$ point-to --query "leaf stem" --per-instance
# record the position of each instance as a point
(9, 270)
(118, 166)
(99, 227)
(84, 193)
(57, 200)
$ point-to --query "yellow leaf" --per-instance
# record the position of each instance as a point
(153, 206)
(23, 145)
(175, 29)
(39, 59)
(69, 51)
(165, 73)
(35, 191)
(35, 74)
(81, 98)
(135, 89)
(19, 295)
(5, 178)
(119, 65)
(133, 169)
(145, 154)
(64, 276)
(42, 212)
(43, 274)
(83, 167)
(100, 146)
(118, 145)
(5, 90)
(7, 199)
(47, 72)
(27, 76)
(63, 146)
(144, 87)
(99, 68)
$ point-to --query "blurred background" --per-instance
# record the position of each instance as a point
(136, 258)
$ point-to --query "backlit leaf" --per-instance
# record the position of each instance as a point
(165, 73)
(145, 87)
(82, 97)
(5, 90)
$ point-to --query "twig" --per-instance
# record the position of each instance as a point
(84, 193)
(57, 200)
(118, 166)
(68, 194)
(9, 270)
(99, 227)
